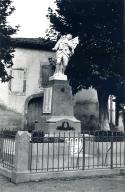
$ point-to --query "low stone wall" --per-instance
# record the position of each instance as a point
(21, 177)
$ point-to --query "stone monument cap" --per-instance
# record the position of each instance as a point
(58, 76)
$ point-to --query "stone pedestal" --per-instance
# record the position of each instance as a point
(58, 112)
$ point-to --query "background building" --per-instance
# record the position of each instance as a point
(23, 95)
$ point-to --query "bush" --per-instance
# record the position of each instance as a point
(108, 136)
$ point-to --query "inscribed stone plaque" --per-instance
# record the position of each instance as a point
(47, 102)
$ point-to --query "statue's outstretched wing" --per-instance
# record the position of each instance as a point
(74, 42)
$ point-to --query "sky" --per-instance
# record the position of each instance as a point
(31, 16)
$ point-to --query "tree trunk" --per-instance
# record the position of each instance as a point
(117, 113)
(103, 109)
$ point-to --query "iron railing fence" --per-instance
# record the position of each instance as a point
(72, 151)
(7, 148)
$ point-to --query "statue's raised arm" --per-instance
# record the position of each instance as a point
(64, 48)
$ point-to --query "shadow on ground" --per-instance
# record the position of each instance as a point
(104, 184)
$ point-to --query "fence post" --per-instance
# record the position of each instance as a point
(1, 145)
(83, 161)
(21, 161)
(112, 152)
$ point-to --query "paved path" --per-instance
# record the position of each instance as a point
(109, 184)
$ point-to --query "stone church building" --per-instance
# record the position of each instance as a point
(23, 96)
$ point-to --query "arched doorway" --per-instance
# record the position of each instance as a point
(33, 112)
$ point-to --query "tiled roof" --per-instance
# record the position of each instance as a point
(33, 43)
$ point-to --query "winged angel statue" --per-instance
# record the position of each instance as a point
(64, 48)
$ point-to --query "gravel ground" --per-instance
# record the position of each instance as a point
(104, 184)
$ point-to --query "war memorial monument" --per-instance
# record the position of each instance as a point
(58, 102)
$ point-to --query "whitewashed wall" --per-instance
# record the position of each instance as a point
(31, 60)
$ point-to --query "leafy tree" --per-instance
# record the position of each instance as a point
(6, 47)
(98, 60)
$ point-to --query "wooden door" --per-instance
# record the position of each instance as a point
(35, 107)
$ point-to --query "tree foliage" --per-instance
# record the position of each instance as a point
(6, 47)
(99, 59)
